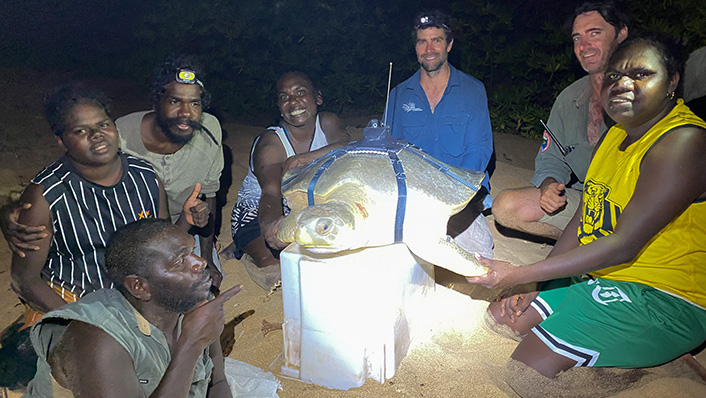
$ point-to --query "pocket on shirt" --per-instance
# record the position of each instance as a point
(413, 127)
(453, 137)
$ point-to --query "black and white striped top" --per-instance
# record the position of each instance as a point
(85, 215)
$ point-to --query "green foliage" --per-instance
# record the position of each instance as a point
(517, 49)
(683, 19)
(339, 44)
(520, 62)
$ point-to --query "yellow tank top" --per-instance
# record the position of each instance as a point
(675, 259)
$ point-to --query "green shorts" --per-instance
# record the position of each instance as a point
(562, 218)
(603, 322)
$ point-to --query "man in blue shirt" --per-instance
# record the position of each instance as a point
(445, 112)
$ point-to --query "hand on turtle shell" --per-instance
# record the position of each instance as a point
(297, 161)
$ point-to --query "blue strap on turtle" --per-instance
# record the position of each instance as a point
(312, 184)
(401, 193)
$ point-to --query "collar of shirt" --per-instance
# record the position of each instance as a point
(453, 80)
(585, 95)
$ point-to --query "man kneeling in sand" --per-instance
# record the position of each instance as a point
(138, 340)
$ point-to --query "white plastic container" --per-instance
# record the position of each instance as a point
(349, 318)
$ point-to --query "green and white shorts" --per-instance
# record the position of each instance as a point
(601, 322)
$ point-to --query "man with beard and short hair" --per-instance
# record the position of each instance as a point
(577, 121)
(182, 142)
(153, 337)
(445, 112)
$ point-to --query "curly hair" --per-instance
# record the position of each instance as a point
(129, 250)
(301, 74)
(59, 103)
(166, 73)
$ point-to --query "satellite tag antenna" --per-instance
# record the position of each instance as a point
(387, 99)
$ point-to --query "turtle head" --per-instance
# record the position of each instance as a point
(327, 228)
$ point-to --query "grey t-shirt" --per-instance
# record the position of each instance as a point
(200, 160)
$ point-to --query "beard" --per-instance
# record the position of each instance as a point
(179, 139)
(180, 300)
(434, 65)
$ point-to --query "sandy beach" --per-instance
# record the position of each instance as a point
(456, 357)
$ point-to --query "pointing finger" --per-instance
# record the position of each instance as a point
(228, 294)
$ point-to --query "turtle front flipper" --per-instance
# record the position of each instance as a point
(446, 253)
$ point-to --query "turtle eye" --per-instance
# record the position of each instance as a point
(323, 226)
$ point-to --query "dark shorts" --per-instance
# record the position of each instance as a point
(244, 227)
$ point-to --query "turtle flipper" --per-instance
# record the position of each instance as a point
(446, 253)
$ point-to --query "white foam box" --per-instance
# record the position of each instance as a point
(350, 317)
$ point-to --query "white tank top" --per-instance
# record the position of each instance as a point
(250, 192)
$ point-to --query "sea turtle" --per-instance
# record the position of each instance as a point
(379, 191)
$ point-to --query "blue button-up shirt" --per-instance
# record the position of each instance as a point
(458, 132)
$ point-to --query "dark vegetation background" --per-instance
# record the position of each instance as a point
(519, 49)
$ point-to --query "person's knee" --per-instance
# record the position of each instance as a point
(498, 324)
(503, 206)
(516, 205)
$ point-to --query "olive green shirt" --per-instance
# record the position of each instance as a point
(108, 310)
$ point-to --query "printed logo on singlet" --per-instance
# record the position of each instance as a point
(599, 214)
(607, 294)
(410, 107)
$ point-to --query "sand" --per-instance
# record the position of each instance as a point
(457, 357)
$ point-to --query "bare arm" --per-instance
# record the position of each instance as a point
(218, 387)
(163, 201)
(20, 238)
(206, 241)
(336, 136)
(569, 239)
(196, 213)
(671, 179)
(268, 159)
(26, 270)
